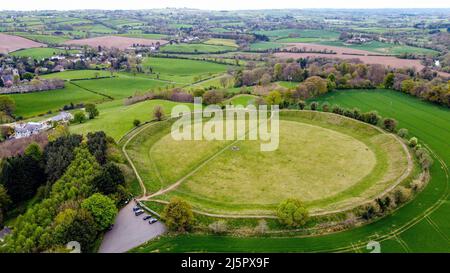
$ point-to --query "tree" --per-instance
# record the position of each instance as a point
(158, 113)
(389, 80)
(314, 105)
(277, 72)
(61, 130)
(79, 117)
(27, 76)
(59, 154)
(102, 209)
(97, 145)
(403, 133)
(34, 150)
(136, 123)
(109, 179)
(371, 117)
(21, 176)
(407, 86)
(213, 97)
(79, 226)
(5, 201)
(390, 124)
(326, 107)
(273, 98)
(178, 215)
(7, 105)
(293, 213)
(413, 142)
(301, 104)
(92, 110)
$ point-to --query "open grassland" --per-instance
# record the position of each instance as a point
(32, 104)
(265, 46)
(399, 232)
(196, 48)
(41, 52)
(116, 119)
(153, 36)
(78, 74)
(183, 71)
(361, 163)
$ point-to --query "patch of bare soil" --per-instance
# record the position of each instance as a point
(114, 42)
(10, 43)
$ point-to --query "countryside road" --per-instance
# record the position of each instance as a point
(129, 231)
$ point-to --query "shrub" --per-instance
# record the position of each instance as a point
(158, 113)
(301, 104)
(389, 124)
(401, 195)
(413, 142)
(313, 105)
(178, 215)
(293, 213)
(371, 117)
(326, 107)
(370, 210)
(337, 109)
(92, 110)
(136, 123)
(79, 117)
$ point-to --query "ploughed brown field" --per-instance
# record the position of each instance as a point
(114, 42)
(350, 53)
(10, 43)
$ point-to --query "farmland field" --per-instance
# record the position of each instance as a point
(113, 42)
(32, 104)
(222, 42)
(426, 121)
(41, 53)
(9, 43)
(77, 74)
(384, 48)
(301, 33)
(196, 48)
(265, 45)
(245, 180)
(42, 38)
(183, 71)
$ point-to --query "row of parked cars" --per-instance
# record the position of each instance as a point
(139, 211)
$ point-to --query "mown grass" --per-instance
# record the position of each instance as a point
(78, 74)
(429, 122)
(42, 38)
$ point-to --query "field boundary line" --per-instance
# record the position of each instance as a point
(436, 227)
(403, 244)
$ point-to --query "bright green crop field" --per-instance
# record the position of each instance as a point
(41, 52)
(32, 104)
(182, 70)
(420, 226)
(77, 74)
(196, 48)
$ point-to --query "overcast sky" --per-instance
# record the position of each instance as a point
(216, 4)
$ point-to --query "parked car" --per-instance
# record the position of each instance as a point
(138, 212)
(153, 220)
(147, 217)
(136, 209)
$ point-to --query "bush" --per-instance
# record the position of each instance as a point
(136, 123)
(79, 117)
(301, 105)
(292, 213)
(326, 107)
(158, 113)
(389, 124)
(403, 133)
(371, 117)
(313, 106)
(178, 215)
(92, 110)
(413, 142)
(401, 195)
(337, 109)
(370, 210)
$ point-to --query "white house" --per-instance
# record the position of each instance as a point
(62, 117)
(28, 129)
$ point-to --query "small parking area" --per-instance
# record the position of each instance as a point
(130, 231)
